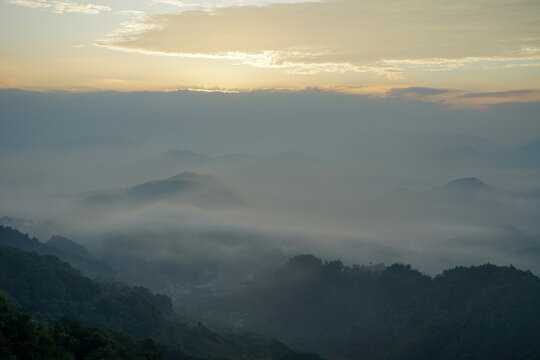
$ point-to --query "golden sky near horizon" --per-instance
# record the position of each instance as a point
(470, 47)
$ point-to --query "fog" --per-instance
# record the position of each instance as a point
(179, 187)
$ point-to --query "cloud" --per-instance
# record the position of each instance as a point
(385, 38)
(499, 94)
(176, 3)
(62, 7)
(38, 4)
(526, 65)
(416, 91)
(463, 99)
(137, 23)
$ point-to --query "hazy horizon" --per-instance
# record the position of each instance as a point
(368, 186)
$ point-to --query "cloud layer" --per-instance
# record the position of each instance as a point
(61, 7)
(385, 38)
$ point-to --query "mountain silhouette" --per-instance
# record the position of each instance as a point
(185, 188)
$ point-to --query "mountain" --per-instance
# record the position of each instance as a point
(185, 188)
(395, 312)
(14, 238)
(161, 164)
(50, 290)
(470, 200)
(68, 247)
(456, 195)
(185, 160)
(457, 189)
(470, 196)
(21, 337)
(468, 185)
(40, 229)
(523, 156)
(61, 247)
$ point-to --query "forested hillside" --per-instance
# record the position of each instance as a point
(61, 247)
(341, 312)
(481, 312)
(50, 290)
(23, 338)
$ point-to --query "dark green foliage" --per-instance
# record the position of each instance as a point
(483, 312)
(22, 338)
(68, 246)
(58, 246)
(57, 289)
(281, 352)
(14, 238)
(51, 290)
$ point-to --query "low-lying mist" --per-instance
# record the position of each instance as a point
(183, 188)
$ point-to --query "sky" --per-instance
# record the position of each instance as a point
(461, 52)
(340, 124)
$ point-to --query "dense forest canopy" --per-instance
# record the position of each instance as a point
(366, 312)
(340, 311)
(120, 316)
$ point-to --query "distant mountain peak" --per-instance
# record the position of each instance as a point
(194, 178)
(185, 187)
(68, 246)
(186, 175)
(467, 184)
(468, 180)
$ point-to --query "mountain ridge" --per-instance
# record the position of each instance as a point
(183, 188)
